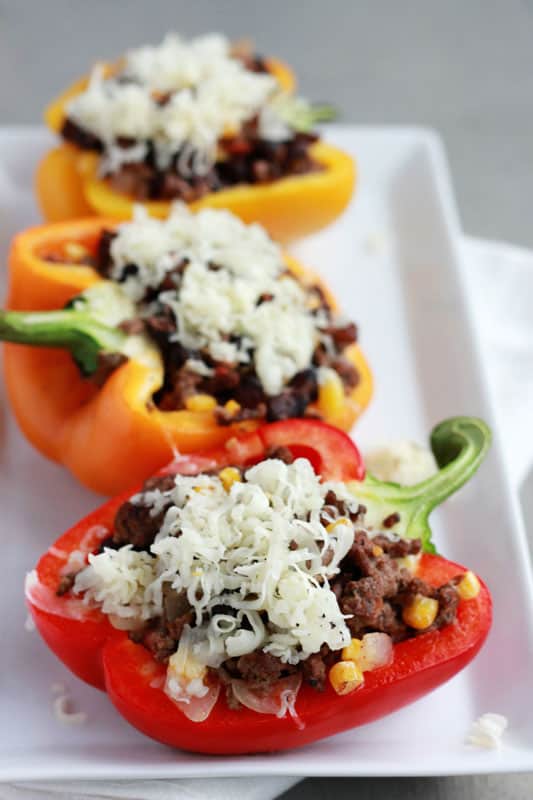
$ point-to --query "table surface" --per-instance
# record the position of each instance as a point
(462, 68)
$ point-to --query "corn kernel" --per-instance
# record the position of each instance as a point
(229, 131)
(410, 562)
(232, 407)
(200, 402)
(75, 252)
(331, 398)
(421, 612)
(468, 587)
(352, 651)
(377, 551)
(340, 521)
(345, 677)
(229, 476)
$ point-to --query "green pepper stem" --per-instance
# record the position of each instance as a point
(323, 113)
(459, 445)
(301, 115)
(69, 329)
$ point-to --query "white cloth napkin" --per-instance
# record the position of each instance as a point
(500, 284)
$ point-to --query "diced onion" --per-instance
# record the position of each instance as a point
(197, 709)
(125, 623)
(376, 651)
(45, 599)
(280, 699)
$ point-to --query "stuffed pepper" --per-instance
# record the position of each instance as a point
(260, 597)
(176, 333)
(198, 121)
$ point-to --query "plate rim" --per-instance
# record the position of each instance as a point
(275, 765)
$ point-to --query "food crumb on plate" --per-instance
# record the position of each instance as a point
(487, 731)
(403, 462)
(29, 624)
(62, 707)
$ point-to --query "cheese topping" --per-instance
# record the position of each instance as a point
(402, 462)
(235, 298)
(487, 731)
(256, 548)
(181, 96)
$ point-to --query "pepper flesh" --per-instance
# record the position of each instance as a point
(106, 658)
(67, 184)
(109, 437)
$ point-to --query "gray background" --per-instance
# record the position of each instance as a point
(461, 66)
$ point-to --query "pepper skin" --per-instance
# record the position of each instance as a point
(106, 658)
(67, 184)
(110, 437)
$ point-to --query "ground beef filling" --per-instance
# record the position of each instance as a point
(245, 158)
(227, 381)
(372, 587)
(237, 382)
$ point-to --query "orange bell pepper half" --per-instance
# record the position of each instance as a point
(68, 186)
(112, 436)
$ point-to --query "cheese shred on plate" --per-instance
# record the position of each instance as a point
(230, 269)
(259, 547)
(487, 731)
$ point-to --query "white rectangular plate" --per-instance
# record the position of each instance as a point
(394, 262)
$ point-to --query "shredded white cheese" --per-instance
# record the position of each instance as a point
(402, 462)
(119, 580)
(207, 93)
(231, 267)
(257, 548)
(157, 246)
(487, 731)
(200, 367)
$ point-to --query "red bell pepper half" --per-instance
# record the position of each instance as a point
(86, 642)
